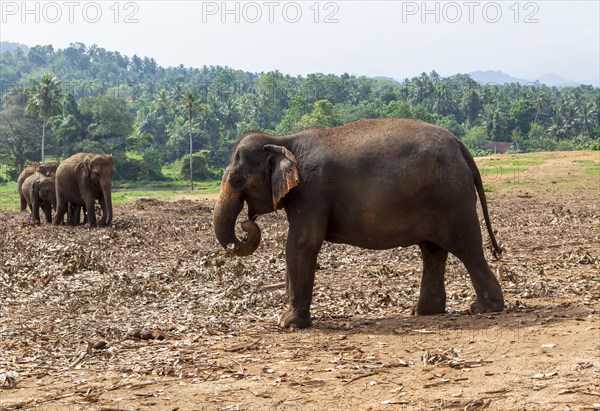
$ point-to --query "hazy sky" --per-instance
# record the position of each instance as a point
(376, 38)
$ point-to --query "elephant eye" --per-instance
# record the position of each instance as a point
(236, 182)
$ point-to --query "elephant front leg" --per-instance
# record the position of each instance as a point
(48, 212)
(35, 210)
(432, 297)
(91, 212)
(102, 222)
(302, 248)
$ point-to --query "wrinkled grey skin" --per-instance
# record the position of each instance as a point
(81, 180)
(47, 169)
(374, 184)
(39, 192)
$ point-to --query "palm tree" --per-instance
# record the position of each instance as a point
(230, 117)
(442, 104)
(420, 89)
(487, 119)
(162, 102)
(559, 127)
(45, 99)
(540, 102)
(146, 120)
(586, 116)
(193, 105)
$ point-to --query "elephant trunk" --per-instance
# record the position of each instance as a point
(106, 187)
(227, 209)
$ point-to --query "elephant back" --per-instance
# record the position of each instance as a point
(29, 184)
(27, 172)
(29, 181)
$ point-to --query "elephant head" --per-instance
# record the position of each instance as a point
(98, 168)
(48, 169)
(259, 174)
(46, 190)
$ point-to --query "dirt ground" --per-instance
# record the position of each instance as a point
(150, 314)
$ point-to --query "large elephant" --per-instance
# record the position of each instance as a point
(39, 191)
(47, 169)
(375, 184)
(81, 180)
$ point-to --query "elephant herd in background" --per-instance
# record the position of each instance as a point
(68, 187)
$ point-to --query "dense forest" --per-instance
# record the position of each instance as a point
(89, 99)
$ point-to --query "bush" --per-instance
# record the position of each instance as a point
(152, 166)
(450, 124)
(201, 170)
(12, 174)
(127, 169)
(571, 144)
(148, 168)
(594, 146)
(475, 138)
(535, 140)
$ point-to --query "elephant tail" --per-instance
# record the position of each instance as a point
(496, 250)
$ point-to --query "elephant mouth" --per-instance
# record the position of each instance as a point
(252, 214)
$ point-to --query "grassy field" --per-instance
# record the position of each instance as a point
(502, 173)
(541, 172)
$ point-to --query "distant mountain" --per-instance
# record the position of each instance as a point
(384, 78)
(552, 79)
(8, 46)
(499, 77)
(496, 77)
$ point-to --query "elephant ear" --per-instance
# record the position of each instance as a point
(284, 172)
(85, 167)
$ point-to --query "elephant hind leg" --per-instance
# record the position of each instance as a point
(487, 288)
(23, 203)
(61, 209)
(432, 296)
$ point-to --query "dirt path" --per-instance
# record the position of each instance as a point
(150, 315)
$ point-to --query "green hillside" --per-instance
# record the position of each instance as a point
(143, 113)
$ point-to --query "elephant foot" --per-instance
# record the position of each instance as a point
(429, 308)
(487, 305)
(292, 318)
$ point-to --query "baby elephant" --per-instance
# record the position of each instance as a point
(40, 191)
(47, 169)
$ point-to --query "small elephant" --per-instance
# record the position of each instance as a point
(375, 184)
(81, 180)
(40, 191)
(47, 169)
